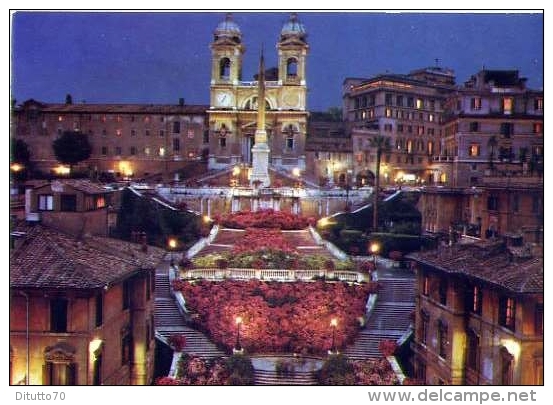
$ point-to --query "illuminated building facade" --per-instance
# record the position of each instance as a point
(233, 110)
(479, 315)
(128, 140)
(81, 309)
(406, 108)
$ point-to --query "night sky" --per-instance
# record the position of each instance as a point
(157, 57)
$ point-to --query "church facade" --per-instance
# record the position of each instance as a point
(234, 103)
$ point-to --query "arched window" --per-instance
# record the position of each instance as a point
(60, 367)
(224, 68)
(251, 104)
(291, 67)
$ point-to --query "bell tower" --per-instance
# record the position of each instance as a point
(226, 53)
(292, 52)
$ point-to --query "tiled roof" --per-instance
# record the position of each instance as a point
(488, 261)
(86, 186)
(46, 258)
(124, 108)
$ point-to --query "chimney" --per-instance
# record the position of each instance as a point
(181, 101)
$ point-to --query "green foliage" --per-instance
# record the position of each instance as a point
(20, 152)
(158, 222)
(241, 370)
(72, 147)
(336, 370)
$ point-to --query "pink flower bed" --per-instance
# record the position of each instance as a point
(257, 238)
(264, 219)
(277, 317)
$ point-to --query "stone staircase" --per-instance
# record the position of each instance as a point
(266, 377)
(389, 319)
(169, 321)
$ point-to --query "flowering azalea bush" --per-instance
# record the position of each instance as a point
(277, 317)
(339, 370)
(193, 370)
(387, 347)
(177, 342)
(264, 219)
(267, 249)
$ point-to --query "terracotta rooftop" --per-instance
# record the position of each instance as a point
(86, 186)
(45, 258)
(85, 108)
(489, 261)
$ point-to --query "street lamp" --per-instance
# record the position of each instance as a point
(172, 242)
(374, 248)
(333, 325)
(238, 346)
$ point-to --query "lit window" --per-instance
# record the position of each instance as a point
(420, 103)
(45, 202)
(190, 133)
(430, 147)
(388, 112)
(147, 151)
(431, 117)
(118, 132)
(474, 299)
(147, 119)
(161, 151)
(60, 118)
(474, 150)
(118, 118)
(538, 104)
(538, 128)
(420, 130)
(363, 115)
(104, 118)
(100, 202)
(507, 308)
(507, 105)
(475, 103)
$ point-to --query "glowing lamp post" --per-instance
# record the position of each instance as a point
(333, 325)
(172, 243)
(374, 248)
(238, 346)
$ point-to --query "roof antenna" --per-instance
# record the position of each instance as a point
(437, 62)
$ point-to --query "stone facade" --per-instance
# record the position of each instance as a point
(479, 316)
(233, 102)
(128, 140)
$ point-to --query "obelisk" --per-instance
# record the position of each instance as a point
(260, 150)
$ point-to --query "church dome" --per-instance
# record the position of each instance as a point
(293, 28)
(228, 29)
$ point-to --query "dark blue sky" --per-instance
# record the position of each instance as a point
(145, 57)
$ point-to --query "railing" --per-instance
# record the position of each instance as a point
(272, 274)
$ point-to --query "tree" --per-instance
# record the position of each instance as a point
(20, 155)
(71, 148)
(20, 152)
(382, 144)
